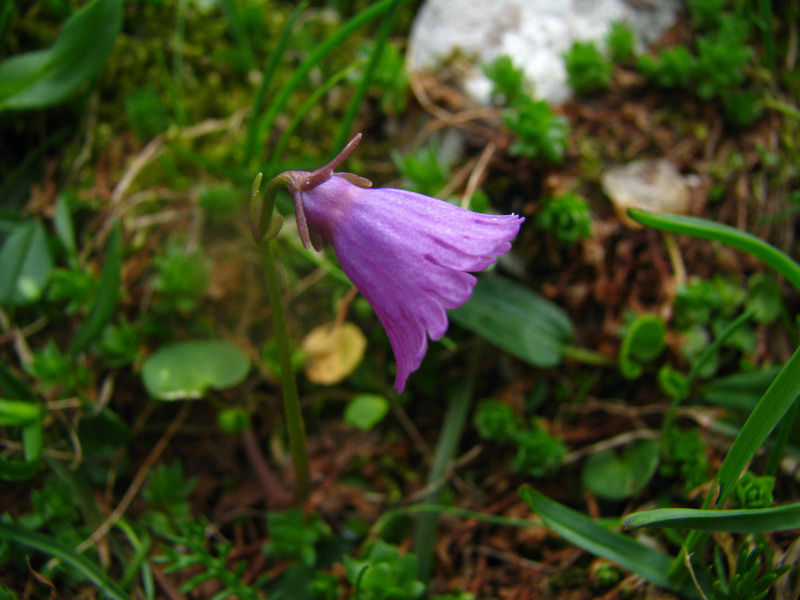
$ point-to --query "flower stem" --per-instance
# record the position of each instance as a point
(298, 446)
(262, 231)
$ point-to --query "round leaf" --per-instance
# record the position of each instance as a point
(366, 410)
(616, 477)
(188, 369)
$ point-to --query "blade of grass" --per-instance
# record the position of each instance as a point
(54, 548)
(446, 448)
(272, 165)
(580, 530)
(282, 96)
(266, 79)
(754, 520)
(769, 411)
(366, 79)
(239, 33)
(773, 406)
(710, 351)
(710, 230)
(107, 296)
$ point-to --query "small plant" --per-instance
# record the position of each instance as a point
(293, 535)
(754, 492)
(389, 79)
(672, 68)
(167, 493)
(538, 453)
(620, 42)
(744, 583)
(73, 287)
(385, 574)
(706, 14)
(685, 457)
(147, 113)
(119, 343)
(181, 279)
(189, 550)
(424, 170)
(55, 369)
(540, 133)
(588, 69)
(508, 81)
(721, 58)
(567, 217)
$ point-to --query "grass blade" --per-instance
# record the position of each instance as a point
(754, 520)
(54, 548)
(107, 296)
(731, 236)
(252, 142)
(282, 96)
(580, 530)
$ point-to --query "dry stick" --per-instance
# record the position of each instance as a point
(478, 173)
(138, 481)
(425, 102)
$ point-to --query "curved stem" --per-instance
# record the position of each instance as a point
(298, 446)
(261, 213)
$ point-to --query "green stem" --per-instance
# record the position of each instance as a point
(709, 352)
(298, 446)
(262, 217)
(586, 356)
(454, 420)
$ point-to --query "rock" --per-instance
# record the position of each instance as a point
(534, 33)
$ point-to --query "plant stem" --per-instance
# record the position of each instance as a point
(454, 420)
(298, 446)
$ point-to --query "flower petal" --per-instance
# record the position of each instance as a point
(409, 255)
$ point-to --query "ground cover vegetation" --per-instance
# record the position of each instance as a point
(613, 414)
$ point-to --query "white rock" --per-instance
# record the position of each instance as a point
(534, 33)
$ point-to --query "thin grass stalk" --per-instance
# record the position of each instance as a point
(282, 96)
(252, 141)
(238, 31)
(454, 420)
(177, 64)
(698, 365)
(272, 165)
(361, 91)
(781, 440)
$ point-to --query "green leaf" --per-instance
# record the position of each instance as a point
(365, 411)
(740, 391)
(64, 227)
(108, 292)
(517, 320)
(54, 548)
(28, 416)
(25, 264)
(710, 230)
(644, 340)
(46, 77)
(188, 369)
(580, 530)
(618, 476)
(769, 411)
(754, 520)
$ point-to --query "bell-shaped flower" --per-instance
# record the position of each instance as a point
(408, 254)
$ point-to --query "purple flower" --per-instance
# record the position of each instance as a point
(408, 254)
